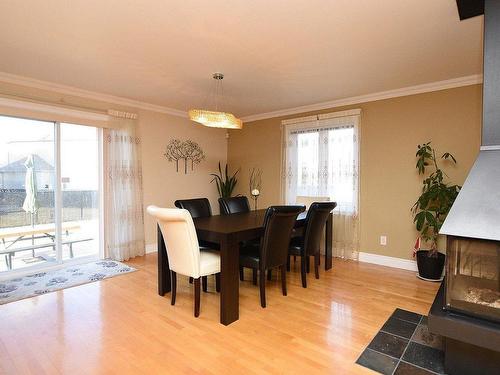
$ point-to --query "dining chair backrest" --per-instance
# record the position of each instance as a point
(180, 237)
(197, 207)
(308, 200)
(315, 223)
(234, 205)
(278, 224)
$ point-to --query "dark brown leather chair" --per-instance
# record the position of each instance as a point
(309, 244)
(234, 205)
(198, 207)
(272, 252)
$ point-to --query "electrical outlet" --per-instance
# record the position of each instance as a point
(383, 240)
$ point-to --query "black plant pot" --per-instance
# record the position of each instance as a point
(430, 267)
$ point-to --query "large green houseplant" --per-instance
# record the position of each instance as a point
(225, 183)
(431, 208)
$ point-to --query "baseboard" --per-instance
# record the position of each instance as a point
(381, 260)
(151, 248)
(384, 260)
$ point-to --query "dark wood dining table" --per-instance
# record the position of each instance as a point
(228, 231)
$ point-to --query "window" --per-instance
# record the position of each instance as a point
(49, 192)
(325, 164)
(321, 163)
(322, 160)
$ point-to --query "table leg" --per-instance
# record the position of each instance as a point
(229, 294)
(164, 285)
(328, 242)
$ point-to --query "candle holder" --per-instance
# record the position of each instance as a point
(255, 185)
(255, 196)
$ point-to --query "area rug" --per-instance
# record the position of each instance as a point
(404, 345)
(67, 277)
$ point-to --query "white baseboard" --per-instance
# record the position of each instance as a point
(381, 260)
(384, 260)
(151, 248)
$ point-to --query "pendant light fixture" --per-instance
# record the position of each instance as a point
(216, 118)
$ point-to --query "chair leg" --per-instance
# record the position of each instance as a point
(316, 265)
(254, 276)
(242, 274)
(269, 275)
(288, 263)
(190, 280)
(262, 285)
(204, 283)
(217, 282)
(197, 297)
(173, 278)
(283, 279)
(303, 271)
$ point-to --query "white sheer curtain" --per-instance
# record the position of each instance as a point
(321, 159)
(124, 221)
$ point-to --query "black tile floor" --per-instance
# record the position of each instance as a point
(404, 346)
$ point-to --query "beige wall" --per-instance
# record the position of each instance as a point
(390, 132)
(162, 184)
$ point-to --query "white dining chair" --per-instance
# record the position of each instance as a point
(183, 251)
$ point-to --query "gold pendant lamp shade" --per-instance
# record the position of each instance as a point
(216, 119)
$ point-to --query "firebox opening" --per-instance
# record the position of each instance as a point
(473, 282)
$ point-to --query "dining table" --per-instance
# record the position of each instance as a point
(228, 231)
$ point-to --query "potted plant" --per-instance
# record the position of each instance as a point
(225, 183)
(430, 210)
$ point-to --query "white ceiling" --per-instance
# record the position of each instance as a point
(274, 54)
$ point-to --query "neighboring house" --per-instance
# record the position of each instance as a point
(12, 175)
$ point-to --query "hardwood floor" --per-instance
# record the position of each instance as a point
(121, 325)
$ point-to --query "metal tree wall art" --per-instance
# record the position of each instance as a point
(188, 151)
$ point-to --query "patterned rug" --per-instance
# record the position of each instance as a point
(67, 277)
(404, 345)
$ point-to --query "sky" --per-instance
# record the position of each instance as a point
(79, 149)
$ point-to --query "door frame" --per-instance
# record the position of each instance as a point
(60, 263)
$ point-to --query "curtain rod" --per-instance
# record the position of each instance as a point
(110, 112)
(322, 116)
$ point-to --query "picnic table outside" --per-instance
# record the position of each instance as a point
(13, 235)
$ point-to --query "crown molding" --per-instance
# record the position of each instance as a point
(405, 91)
(47, 108)
(112, 99)
(73, 91)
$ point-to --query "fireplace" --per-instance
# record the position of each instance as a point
(466, 310)
(473, 282)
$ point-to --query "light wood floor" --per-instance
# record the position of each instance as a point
(121, 325)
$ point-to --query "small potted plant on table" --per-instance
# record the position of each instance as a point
(430, 210)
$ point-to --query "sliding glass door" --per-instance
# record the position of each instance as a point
(49, 193)
(79, 190)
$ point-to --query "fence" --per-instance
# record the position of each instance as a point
(77, 205)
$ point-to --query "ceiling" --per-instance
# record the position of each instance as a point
(275, 54)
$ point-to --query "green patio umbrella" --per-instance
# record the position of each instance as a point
(30, 204)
